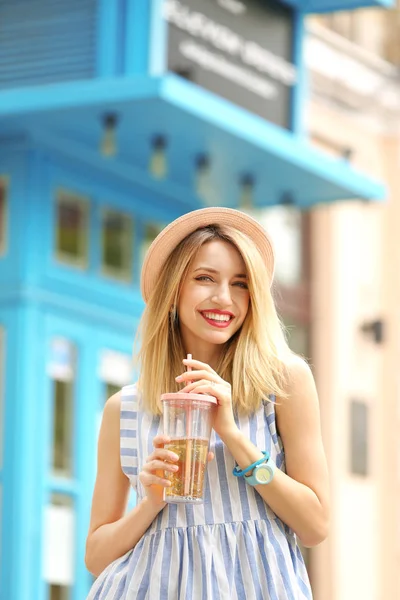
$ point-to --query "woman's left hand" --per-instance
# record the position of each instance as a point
(204, 380)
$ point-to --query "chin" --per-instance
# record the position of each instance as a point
(218, 337)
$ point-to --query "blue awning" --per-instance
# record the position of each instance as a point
(193, 121)
(321, 6)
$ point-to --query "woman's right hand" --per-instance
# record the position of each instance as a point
(152, 476)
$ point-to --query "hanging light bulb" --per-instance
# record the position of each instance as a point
(202, 177)
(108, 145)
(158, 160)
(246, 192)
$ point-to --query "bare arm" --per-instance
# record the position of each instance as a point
(299, 498)
(111, 532)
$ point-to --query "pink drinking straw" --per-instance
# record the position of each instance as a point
(189, 441)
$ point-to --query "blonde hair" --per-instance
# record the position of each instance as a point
(252, 360)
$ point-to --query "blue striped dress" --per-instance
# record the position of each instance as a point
(231, 547)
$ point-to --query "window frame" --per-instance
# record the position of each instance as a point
(62, 371)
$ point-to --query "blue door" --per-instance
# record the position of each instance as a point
(85, 364)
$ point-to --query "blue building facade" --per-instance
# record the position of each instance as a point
(117, 116)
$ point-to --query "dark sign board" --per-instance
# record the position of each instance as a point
(241, 50)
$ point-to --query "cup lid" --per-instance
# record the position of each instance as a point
(189, 396)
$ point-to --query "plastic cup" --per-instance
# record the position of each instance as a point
(187, 420)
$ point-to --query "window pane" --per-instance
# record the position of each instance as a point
(359, 437)
(3, 214)
(298, 336)
(72, 229)
(285, 227)
(61, 500)
(62, 428)
(151, 231)
(117, 244)
(59, 546)
(110, 390)
(115, 368)
(59, 592)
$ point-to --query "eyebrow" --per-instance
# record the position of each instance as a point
(211, 270)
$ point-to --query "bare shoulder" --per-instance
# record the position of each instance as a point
(110, 424)
(301, 393)
(113, 405)
(299, 373)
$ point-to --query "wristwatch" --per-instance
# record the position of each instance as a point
(262, 474)
(263, 471)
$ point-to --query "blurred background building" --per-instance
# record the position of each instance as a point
(117, 116)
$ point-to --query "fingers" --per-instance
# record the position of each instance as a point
(153, 465)
(201, 387)
(196, 364)
(162, 454)
(210, 456)
(157, 463)
(160, 440)
(190, 375)
(195, 384)
(147, 479)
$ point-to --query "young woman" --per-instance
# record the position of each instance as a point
(206, 283)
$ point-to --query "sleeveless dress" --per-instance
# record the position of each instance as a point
(231, 547)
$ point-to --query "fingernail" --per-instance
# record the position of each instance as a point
(179, 378)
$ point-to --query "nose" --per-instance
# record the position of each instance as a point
(222, 295)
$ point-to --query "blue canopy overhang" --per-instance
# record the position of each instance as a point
(193, 121)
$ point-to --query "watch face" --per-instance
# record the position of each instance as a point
(263, 474)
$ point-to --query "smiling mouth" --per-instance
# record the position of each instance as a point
(220, 321)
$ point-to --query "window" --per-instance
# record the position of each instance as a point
(115, 371)
(150, 232)
(3, 215)
(110, 390)
(61, 369)
(59, 546)
(298, 336)
(116, 244)
(284, 225)
(62, 428)
(359, 438)
(58, 592)
(289, 230)
(72, 229)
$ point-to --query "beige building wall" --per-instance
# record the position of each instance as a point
(356, 279)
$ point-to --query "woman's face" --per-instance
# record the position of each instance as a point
(214, 297)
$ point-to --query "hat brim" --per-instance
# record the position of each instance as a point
(176, 231)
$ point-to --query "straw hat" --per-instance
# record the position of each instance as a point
(176, 231)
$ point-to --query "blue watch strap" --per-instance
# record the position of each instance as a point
(241, 472)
